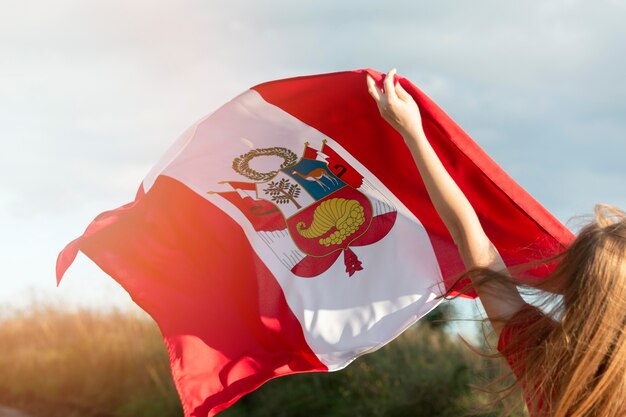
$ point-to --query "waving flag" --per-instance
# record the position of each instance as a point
(289, 231)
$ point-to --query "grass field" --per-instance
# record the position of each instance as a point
(60, 362)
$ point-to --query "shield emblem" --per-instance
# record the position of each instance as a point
(321, 214)
(334, 214)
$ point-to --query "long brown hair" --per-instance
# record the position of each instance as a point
(574, 351)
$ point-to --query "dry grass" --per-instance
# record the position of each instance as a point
(60, 362)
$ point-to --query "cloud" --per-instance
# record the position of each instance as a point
(92, 93)
(111, 84)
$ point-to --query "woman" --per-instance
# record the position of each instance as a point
(571, 361)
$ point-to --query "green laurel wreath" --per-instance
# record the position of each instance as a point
(241, 164)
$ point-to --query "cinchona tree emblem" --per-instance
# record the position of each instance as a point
(283, 192)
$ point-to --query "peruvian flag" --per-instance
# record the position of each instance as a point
(289, 231)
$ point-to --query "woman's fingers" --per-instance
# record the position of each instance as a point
(394, 103)
(401, 92)
(390, 89)
(372, 88)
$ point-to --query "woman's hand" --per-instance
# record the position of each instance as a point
(396, 106)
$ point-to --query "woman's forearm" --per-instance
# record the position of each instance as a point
(453, 207)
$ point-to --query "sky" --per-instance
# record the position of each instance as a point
(92, 93)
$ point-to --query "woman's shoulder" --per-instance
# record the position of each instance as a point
(525, 328)
(523, 332)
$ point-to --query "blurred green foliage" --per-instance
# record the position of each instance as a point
(56, 362)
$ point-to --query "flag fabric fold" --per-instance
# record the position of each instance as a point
(289, 231)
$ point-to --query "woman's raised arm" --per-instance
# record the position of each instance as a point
(500, 299)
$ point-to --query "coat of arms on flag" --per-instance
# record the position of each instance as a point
(298, 178)
(311, 210)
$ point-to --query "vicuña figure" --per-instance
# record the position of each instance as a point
(316, 175)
